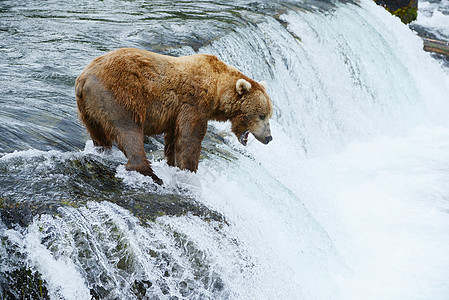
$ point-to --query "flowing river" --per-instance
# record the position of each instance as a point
(349, 201)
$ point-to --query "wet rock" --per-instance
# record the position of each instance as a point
(406, 10)
(22, 283)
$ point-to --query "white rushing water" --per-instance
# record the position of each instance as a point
(349, 201)
(360, 139)
(434, 16)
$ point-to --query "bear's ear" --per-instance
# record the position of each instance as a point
(264, 84)
(242, 86)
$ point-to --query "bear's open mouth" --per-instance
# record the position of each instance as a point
(243, 138)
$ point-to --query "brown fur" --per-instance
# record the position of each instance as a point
(128, 93)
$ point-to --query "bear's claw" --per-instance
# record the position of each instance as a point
(157, 179)
(153, 176)
(146, 171)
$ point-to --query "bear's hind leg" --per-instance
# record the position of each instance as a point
(98, 134)
(130, 141)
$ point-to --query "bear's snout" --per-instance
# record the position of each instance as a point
(268, 139)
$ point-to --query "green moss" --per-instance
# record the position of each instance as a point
(406, 14)
(23, 283)
(69, 203)
(41, 293)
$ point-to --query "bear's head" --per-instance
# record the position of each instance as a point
(255, 111)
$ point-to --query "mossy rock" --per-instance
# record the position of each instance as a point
(23, 283)
(406, 10)
(406, 14)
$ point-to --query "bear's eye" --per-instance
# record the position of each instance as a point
(262, 117)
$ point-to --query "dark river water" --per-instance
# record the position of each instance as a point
(45, 45)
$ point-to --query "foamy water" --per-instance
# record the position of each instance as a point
(434, 16)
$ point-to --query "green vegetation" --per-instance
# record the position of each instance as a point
(406, 10)
(23, 283)
(406, 14)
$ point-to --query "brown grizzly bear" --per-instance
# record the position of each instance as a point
(128, 93)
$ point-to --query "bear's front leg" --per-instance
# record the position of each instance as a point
(190, 130)
(169, 149)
